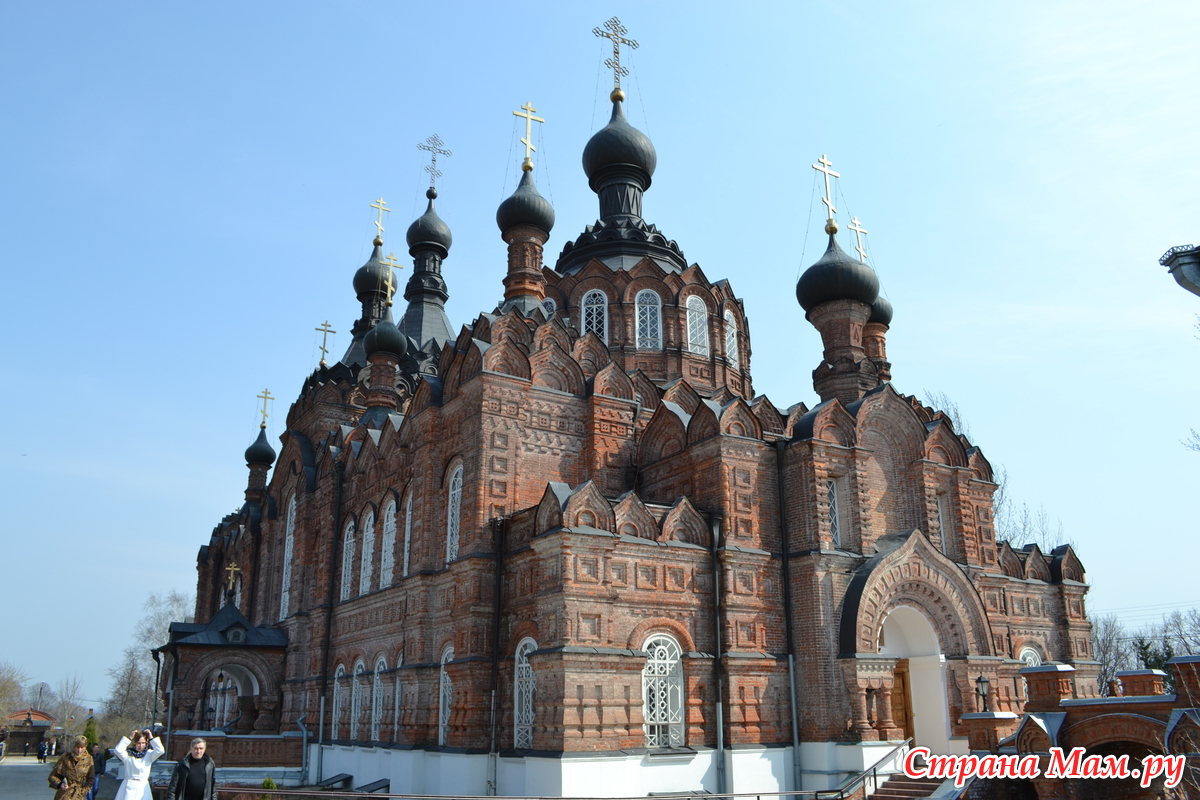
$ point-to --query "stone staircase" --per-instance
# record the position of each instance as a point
(902, 787)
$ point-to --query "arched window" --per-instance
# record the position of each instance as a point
(387, 555)
(445, 697)
(453, 513)
(523, 696)
(662, 690)
(347, 560)
(697, 326)
(335, 717)
(237, 593)
(550, 306)
(595, 314)
(407, 531)
(377, 698)
(649, 320)
(289, 544)
(368, 554)
(356, 699)
(1031, 657)
(731, 342)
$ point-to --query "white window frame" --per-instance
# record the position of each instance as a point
(387, 555)
(408, 505)
(445, 697)
(334, 720)
(648, 320)
(697, 325)
(368, 555)
(524, 695)
(347, 560)
(377, 697)
(356, 700)
(732, 353)
(1030, 656)
(289, 545)
(834, 489)
(453, 513)
(662, 691)
(593, 309)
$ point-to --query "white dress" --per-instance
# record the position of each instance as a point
(136, 785)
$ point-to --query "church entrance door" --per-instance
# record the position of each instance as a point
(902, 699)
(908, 635)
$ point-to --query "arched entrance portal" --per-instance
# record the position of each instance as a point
(919, 698)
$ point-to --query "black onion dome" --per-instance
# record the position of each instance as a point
(385, 337)
(836, 276)
(428, 230)
(374, 276)
(881, 311)
(260, 453)
(616, 144)
(525, 207)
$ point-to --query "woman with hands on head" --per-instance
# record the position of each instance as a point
(137, 752)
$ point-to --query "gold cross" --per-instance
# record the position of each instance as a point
(391, 261)
(434, 146)
(528, 140)
(381, 204)
(325, 330)
(616, 31)
(265, 396)
(232, 569)
(828, 198)
(859, 230)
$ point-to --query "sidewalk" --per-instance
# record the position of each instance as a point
(23, 778)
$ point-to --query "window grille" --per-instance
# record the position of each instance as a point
(550, 306)
(731, 340)
(835, 517)
(387, 556)
(595, 314)
(445, 697)
(454, 514)
(289, 539)
(697, 325)
(368, 554)
(348, 560)
(662, 690)
(649, 320)
(407, 532)
(377, 698)
(356, 700)
(523, 699)
(334, 718)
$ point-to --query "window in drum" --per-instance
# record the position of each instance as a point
(387, 555)
(368, 554)
(662, 690)
(697, 325)
(356, 699)
(377, 698)
(731, 340)
(453, 514)
(407, 531)
(549, 306)
(337, 702)
(523, 696)
(289, 544)
(445, 697)
(347, 560)
(649, 320)
(595, 314)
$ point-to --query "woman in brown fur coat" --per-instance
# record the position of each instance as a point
(72, 775)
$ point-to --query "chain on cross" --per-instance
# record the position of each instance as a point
(859, 230)
(828, 198)
(380, 204)
(616, 32)
(265, 396)
(325, 330)
(433, 145)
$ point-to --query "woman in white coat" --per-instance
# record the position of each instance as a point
(136, 759)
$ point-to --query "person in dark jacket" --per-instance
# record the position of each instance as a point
(100, 759)
(194, 777)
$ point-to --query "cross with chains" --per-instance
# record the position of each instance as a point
(528, 140)
(616, 31)
(324, 330)
(381, 204)
(434, 146)
(859, 230)
(265, 396)
(825, 167)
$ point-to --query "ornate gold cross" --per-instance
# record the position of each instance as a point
(434, 146)
(828, 198)
(232, 569)
(325, 330)
(528, 140)
(616, 31)
(265, 396)
(381, 204)
(859, 230)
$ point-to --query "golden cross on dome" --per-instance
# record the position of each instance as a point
(616, 31)
(265, 396)
(859, 230)
(325, 330)
(828, 198)
(381, 204)
(529, 118)
(390, 261)
(434, 146)
(232, 569)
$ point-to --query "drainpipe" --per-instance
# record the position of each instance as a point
(339, 471)
(780, 450)
(499, 528)
(303, 747)
(718, 665)
(321, 740)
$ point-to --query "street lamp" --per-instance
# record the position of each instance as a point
(210, 714)
(191, 715)
(982, 684)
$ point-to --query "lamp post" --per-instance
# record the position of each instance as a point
(222, 700)
(210, 714)
(191, 715)
(982, 684)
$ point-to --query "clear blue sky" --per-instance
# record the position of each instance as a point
(185, 197)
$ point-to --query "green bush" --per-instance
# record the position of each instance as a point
(91, 732)
(268, 784)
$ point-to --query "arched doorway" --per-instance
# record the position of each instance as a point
(920, 689)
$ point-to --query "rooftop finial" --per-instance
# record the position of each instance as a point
(325, 330)
(381, 204)
(265, 396)
(616, 31)
(859, 230)
(529, 118)
(830, 225)
(434, 146)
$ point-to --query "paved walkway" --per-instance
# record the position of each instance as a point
(23, 778)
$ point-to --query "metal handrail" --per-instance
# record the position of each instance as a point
(873, 771)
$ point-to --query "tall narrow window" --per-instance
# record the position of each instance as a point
(356, 700)
(697, 326)
(289, 543)
(445, 697)
(387, 555)
(649, 320)
(347, 560)
(407, 531)
(368, 554)
(335, 717)
(835, 515)
(396, 697)
(523, 697)
(453, 514)
(237, 593)
(377, 698)
(662, 690)
(595, 314)
(731, 340)
(943, 520)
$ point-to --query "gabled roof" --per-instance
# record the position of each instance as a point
(217, 631)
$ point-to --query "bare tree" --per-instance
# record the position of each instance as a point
(161, 610)
(1024, 525)
(12, 687)
(1192, 442)
(1113, 648)
(68, 707)
(940, 401)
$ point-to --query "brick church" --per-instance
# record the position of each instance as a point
(566, 549)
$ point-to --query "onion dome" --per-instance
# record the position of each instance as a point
(881, 312)
(428, 231)
(374, 276)
(525, 207)
(837, 276)
(618, 144)
(385, 337)
(260, 453)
